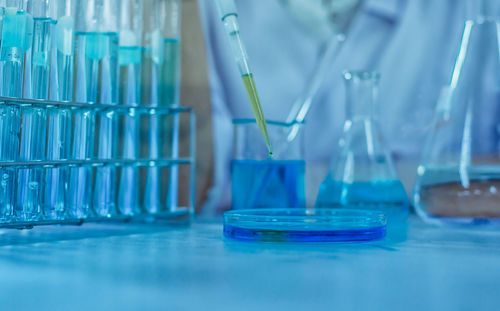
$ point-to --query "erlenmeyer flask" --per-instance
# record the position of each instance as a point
(458, 179)
(362, 174)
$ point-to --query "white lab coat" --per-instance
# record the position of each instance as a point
(413, 43)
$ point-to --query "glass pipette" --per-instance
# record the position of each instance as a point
(229, 16)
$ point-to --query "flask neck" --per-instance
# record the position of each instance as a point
(481, 10)
(361, 92)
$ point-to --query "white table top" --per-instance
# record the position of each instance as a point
(131, 267)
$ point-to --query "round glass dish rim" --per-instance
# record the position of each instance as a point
(344, 216)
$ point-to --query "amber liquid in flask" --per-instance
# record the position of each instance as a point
(458, 179)
(362, 174)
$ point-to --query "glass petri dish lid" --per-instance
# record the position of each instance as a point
(304, 225)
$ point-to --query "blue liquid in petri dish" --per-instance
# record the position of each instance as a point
(353, 235)
(304, 225)
(267, 183)
(388, 197)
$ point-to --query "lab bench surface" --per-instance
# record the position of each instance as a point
(133, 267)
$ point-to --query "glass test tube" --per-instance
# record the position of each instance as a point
(96, 73)
(59, 118)
(3, 6)
(34, 119)
(171, 90)
(129, 59)
(16, 36)
(162, 74)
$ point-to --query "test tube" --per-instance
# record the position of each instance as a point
(162, 74)
(171, 90)
(34, 119)
(59, 118)
(96, 73)
(3, 6)
(16, 36)
(152, 60)
(129, 59)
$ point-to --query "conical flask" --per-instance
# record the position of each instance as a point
(458, 179)
(362, 174)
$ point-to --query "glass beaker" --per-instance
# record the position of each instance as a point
(458, 179)
(362, 174)
(262, 182)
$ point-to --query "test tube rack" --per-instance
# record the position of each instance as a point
(181, 126)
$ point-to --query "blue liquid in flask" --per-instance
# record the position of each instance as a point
(388, 197)
(268, 183)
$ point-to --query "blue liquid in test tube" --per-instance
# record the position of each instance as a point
(16, 30)
(34, 120)
(96, 74)
(59, 118)
(153, 58)
(130, 94)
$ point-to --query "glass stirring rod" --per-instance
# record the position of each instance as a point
(229, 16)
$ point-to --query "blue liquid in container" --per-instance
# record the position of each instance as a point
(268, 183)
(388, 197)
(150, 77)
(96, 73)
(59, 118)
(33, 124)
(351, 235)
(130, 95)
(16, 33)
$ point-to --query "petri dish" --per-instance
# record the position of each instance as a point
(304, 225)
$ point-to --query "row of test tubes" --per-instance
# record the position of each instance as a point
(113, 52)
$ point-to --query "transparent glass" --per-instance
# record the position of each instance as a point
(259, 181)
(161, 69)
(34, 119)
(96, 74)
(362, 174)
(304, 225)
(130, 61)
(17, 31)
(59, 118)
(458, 179)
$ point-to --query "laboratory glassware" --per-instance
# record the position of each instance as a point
(170, 87)
(59, 117)
(458, 179)
(129, 59)
(259, 181)
(34, 119)
(362, 174)
(17, 30)
(96, 75)
(161, 88)
(164, 162)
(229, 16)
(304, 225)
(340, 15)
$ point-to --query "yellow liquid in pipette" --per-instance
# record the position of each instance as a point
(257, 108)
